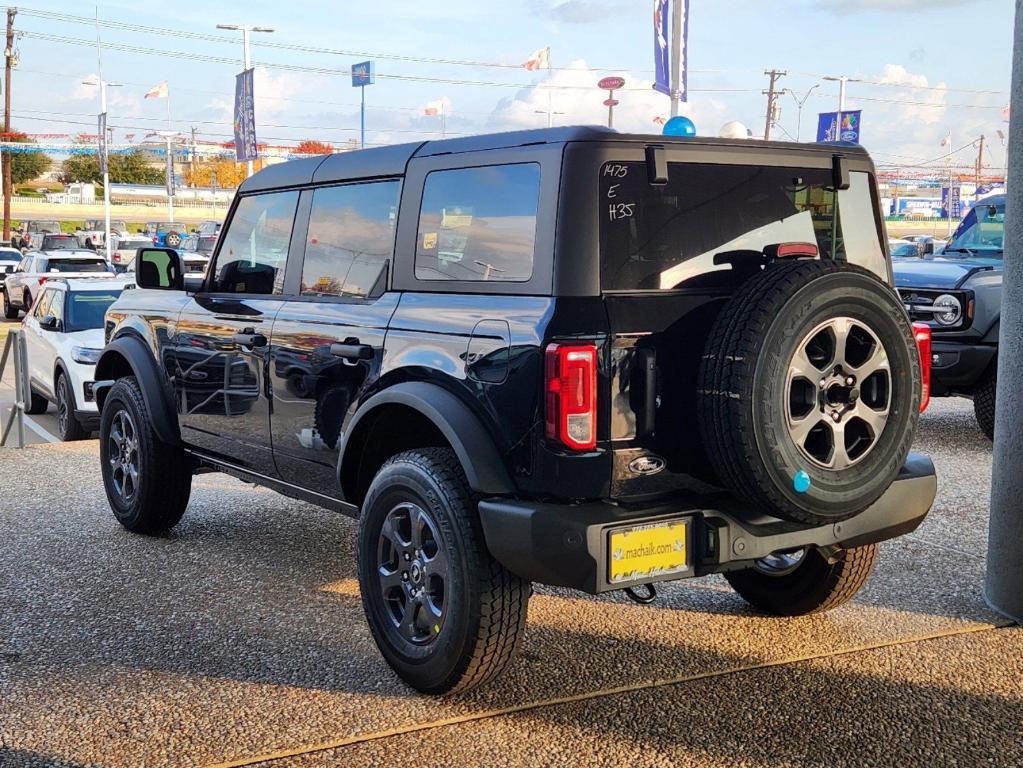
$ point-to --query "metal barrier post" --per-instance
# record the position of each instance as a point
(1003, 589)
(15, 349)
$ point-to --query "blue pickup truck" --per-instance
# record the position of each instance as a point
(959, 295)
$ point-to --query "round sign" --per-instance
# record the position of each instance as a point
(610, 102)
(611, 83)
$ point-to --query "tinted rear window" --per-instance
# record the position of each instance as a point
(60, 243)
(76, 265)
(688, 232)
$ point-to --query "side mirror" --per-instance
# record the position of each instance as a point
(929, 248)
(160, 269)
(49, 323)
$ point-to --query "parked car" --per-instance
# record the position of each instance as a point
(959, 295)
(59, 242)
(64, 339)
(125, 248)
(9, 260)
(931, 244)
(192, 262)
(209, 228)
(22, 286)
(905, 249)
(198, 243)
(166, 233)
(30, 232)
(93, 234)
(569, 356)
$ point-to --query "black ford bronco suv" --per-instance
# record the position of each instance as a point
(567, 356)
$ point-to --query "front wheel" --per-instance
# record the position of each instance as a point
(984, 402)
(445, 615)
(797, 583)
(68, 425)
(147, 481)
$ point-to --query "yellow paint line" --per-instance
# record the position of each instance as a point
(552, 702)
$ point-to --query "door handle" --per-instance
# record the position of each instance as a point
(248, 338)
(352, 351)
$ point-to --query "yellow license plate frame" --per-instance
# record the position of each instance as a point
(649, 551)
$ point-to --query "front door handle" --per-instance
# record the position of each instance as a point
(352, 351)
(248, 338)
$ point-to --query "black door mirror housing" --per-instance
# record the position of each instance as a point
(160, 269)
(50, 323)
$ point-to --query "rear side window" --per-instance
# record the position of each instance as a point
(255, 248)
(479, 224)
(351, 239)
(711, 223)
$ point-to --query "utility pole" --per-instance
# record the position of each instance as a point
(772, 100)
(247, 58)
(980, 164)
(9, 57)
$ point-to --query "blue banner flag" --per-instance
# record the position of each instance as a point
(828, 130)
(244, 118)
(662, 48)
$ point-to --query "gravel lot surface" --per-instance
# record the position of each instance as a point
(239, 639)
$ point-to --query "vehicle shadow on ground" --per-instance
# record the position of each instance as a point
(11, 757)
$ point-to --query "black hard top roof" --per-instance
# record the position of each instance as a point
(391, 160)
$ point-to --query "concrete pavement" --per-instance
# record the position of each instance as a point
(239, 640)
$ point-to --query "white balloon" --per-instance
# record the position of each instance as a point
(733, 129)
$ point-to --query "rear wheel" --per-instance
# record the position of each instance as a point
(445, 615)
(68, 425)
(809, 391)
(797, 583)
(26, 300)
(147, 481)
(984, 402)
(11, 313)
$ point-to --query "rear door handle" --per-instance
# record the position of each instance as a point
(354, 351)
(248, 338)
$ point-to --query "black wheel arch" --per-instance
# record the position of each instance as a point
(129, 355)
(429, 415)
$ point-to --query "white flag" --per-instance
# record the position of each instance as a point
(540, 59)
(158, 91)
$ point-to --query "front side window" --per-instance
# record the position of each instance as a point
(711, 224)
(42, 306)
(255, 248)
(479, 224)
(351, 239)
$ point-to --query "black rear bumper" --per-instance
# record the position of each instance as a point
(567, 545)
(956, 367)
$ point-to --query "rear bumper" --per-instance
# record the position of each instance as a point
(567, 545)
(956, 367)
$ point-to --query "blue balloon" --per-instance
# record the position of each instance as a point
(679, 126)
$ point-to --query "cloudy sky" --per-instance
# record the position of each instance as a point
(927, 67)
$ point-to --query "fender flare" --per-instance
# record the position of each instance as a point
(147, 372)
(483, 465)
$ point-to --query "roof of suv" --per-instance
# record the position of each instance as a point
(98, 283)
(391, 160)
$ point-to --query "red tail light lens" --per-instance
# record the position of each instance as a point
(922, 336)
(571, 389)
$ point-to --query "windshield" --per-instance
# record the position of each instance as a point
(7, 254)
(710, 224)
(60, 243)
(85, 310)
(119, 225)
(980, 234)
(43, 226)
(905, 250)
(77, 265)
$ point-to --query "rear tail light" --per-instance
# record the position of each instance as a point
(42, 280)
(571, 395)
(922, 337)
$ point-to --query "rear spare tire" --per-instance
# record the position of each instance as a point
(809, 391)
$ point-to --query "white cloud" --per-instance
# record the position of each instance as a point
(576, 94)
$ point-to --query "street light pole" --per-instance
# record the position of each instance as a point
(247, 54)
(841, 80)
(800, 102)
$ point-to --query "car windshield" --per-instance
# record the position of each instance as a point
(85, 310)
(43, 226)
(119, 225)
(709, 224)
(8, 254)
(980, 234)
(60, 243)
(77, 265)
(904, 250)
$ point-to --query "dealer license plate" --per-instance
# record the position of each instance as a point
(646, 551)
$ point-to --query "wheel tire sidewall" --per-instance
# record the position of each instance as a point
(428, 666)
(836, 493)
(64, 391)
(127, 514)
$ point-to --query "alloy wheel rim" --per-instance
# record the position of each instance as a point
(838, 393)
(123, 456)
(412, 573)
(780, 563)
(62, 409)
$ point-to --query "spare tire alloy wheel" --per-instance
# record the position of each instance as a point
(809, 391)
(173, 239)
(840, 390)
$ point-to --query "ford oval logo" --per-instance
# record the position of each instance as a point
(646, 465)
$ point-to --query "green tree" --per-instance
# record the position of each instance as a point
(130, 168)
(26, 166)
(80, 168)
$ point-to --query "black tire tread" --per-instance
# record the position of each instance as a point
(11, 312)
(165, 496)
(504, 597)
(836, 584)
(984, 401)
(36, 405)
(74, 429)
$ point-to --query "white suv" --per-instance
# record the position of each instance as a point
(64, 336)
(23, 285)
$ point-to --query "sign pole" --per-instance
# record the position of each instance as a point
(362, 119)
(611, 84)
(363, 74)
(678, 6)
